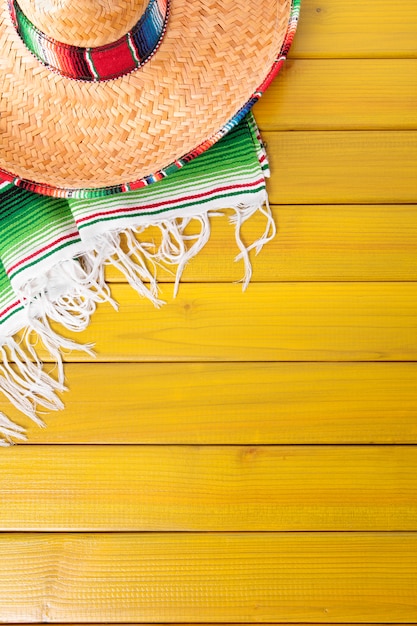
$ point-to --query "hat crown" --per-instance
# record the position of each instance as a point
(112, 60)
(86, 23)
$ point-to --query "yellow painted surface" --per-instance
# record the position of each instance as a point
(337, 167)
(219, 577)
(209, 488)
(354, 29)
(365, 94)
(225, 416)
(219, 403)
(314, 243)
(270, 322)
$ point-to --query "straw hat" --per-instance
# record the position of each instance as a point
(136, 87)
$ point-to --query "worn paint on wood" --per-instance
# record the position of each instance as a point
(270, 322)
(234, 403)
(367, 94)
(354, 29)
(337, 167)
(218, 577)
(209, 488)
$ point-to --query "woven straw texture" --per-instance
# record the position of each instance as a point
(213, 58)
(84, 22)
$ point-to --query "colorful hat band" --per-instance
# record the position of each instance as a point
(98, 63)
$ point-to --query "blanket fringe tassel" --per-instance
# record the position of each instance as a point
(69, 293)
(138, 261)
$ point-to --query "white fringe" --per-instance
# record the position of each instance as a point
(9, 431)
(137, 264)
(242, 214)
(69, 293)
(26, 385)
(138, 261)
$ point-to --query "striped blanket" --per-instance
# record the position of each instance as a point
(53, 252)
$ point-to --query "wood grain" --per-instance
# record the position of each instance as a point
(330, 167)
(209, 488)
(352, 29)
(340, 125)
(270, 322)
(233, 403)
(341, 94)
(176, 577)
(313, 243)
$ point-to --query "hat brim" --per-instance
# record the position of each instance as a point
(63, 137)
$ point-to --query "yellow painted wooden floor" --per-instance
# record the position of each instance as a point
(243, 458)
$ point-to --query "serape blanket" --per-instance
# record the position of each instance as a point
(53, 252)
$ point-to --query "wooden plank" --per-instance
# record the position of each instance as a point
(233, 403)
(331, 242)
(174, 577)
(270, 322)
(330, 167)
(352, 29)
(338, 94)
(208, 488)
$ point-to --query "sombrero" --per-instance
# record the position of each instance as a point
(119, 117)
(101, 96)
